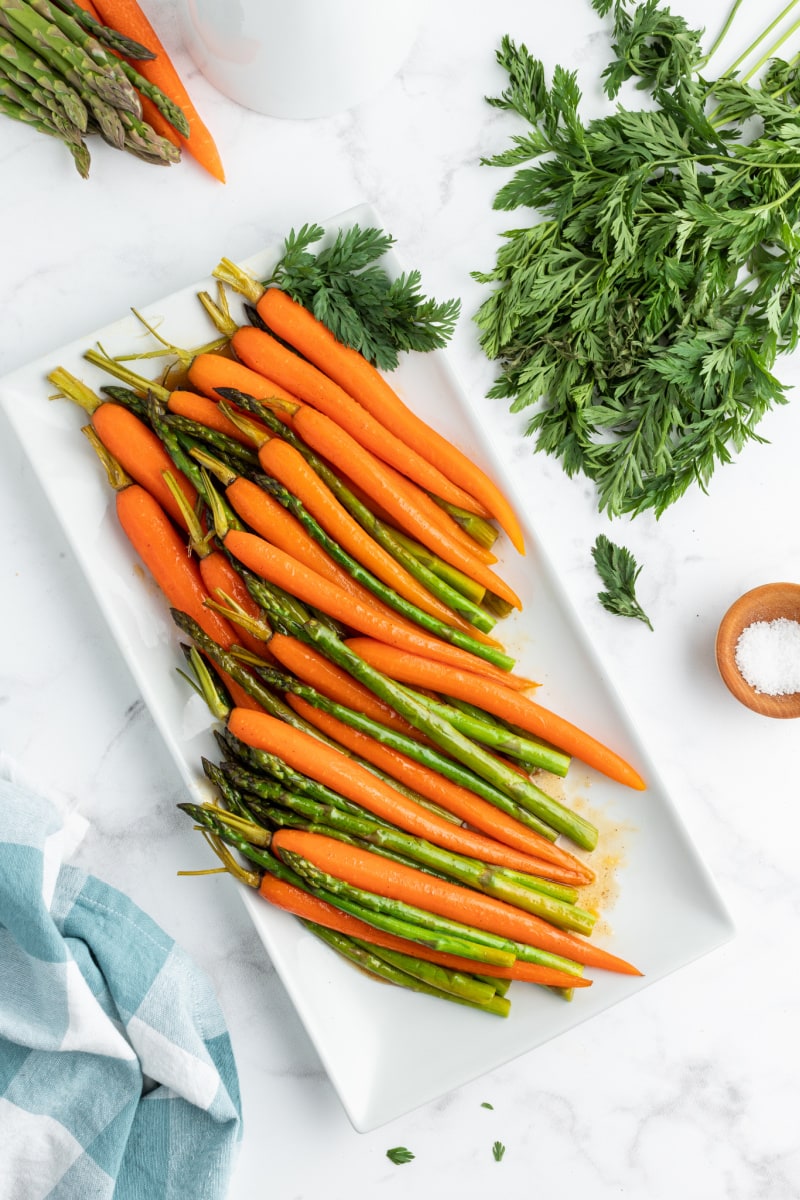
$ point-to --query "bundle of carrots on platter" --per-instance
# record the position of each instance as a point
(70, 68)
(327, 555)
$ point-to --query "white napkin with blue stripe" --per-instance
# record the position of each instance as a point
(117, 1076)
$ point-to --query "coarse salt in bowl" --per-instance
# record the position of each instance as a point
(758, 649)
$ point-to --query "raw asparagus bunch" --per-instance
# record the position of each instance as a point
(61, 74)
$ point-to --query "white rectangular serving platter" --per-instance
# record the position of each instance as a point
(386, 1050)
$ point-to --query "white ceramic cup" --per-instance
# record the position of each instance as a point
(299, 58)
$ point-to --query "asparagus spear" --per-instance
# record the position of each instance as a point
(104, 33)
(107, 119)
(231, 795)
(18, 55)
(74, 31)
(167, 107)
(260, 762)
(141, 139)
(32, 99)
(444, 735)
(44, 99)
(533, 895)
(453, 771)
(491, 733)
(409, 973)
(481, 530)
(230, 662)
(450, 937)
(227, 447)
(461, 582)
(64, 56)
(381, 532)
(22, 113)
(443, 979)
(360, 573)
(387, 906)
(488, 732)
(385, 593)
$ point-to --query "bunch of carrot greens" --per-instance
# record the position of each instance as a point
(380, 758)
(638, 309)
(69, 68)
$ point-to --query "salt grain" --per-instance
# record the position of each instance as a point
(768, 656)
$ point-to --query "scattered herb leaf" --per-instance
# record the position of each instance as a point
(640, 314)
(399, 1154)
(617, 568)
(498, 1150)
(346, 288)
(486, 1104)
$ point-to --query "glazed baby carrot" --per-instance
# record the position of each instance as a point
(266, 517)
(502, 701)
(411, 509)
(294, 324)
(338, 771)
(318, 672)
(384, 877)
(208, 372)
(288, 466)
(205, 412)
(308, 586)
(307, 907)
(142, 454)
(127, 17)
(266, 355)
(270, 520)
(220, 578)
(161, 548)
(479, 814)
(155, 539)
(135, 447)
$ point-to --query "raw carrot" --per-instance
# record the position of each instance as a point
(337, 770)
(266, 355)
(127, 17)
(88, 7)
(555, 863)
(308, 586)
(288, 466)
(502, 701)
(302, 904)
(374, 873)
(300, 328)
(410, 507)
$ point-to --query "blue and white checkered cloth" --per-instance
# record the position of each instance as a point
(117, 1076)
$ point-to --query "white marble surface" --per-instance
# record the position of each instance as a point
(689, 1088)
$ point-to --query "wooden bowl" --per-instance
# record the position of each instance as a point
(765, 603)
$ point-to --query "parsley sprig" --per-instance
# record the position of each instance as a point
(618, 570)
(640, 315)
(399, 1155)
(347, 289)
